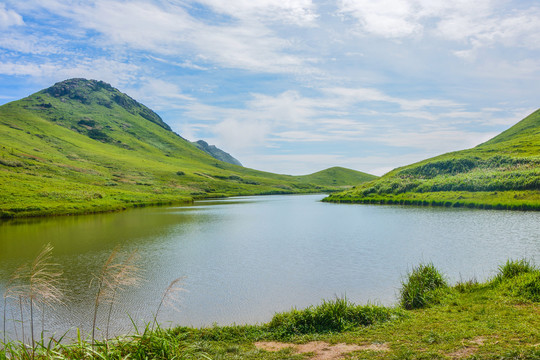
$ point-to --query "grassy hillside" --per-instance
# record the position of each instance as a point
(502, 173)
(337, 176)
(83, 146)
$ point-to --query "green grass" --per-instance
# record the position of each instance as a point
(497, 319)
(503, 173)
(420, 287)
(82, 147)
(330, 316)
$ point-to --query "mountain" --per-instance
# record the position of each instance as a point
(216, 152)
(502, 173)
(82, 146)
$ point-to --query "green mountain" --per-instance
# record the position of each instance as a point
(216, 152)
(502, 173)
(82, 146)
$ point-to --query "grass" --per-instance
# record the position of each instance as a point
(502, 174)
(497, 319)
(420, 287)
(83, 147)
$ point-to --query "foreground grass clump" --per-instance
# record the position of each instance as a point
(513, 268)
(331, 316)
(419, 287)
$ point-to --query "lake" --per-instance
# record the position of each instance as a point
(243, 259)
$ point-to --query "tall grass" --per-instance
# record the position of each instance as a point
(169, 297)
(330, 316)
(417, 290)
(115, 275)
(37, 285)
(513, 268)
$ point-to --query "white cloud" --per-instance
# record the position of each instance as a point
(387, 18)
(168, 29)
(357, 95)
(159, 94)
(475, 24)
(28, 44)
(298, 12)
(9, 17)
(102, 69)
(434, 141)
(239, 134)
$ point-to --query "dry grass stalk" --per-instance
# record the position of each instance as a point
(44, 284)
(115, 276)
(170, 297)
(127, 274)
(38, 284)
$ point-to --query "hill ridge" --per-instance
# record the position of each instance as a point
(82, 146)
(502, 173)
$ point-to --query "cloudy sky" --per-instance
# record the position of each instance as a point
(293, 86)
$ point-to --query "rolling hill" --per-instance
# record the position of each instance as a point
(502, 173)
(82, 146)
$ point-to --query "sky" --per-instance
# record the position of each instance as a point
(293, 86)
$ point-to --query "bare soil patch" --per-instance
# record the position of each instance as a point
(468, 349)
(321, 350)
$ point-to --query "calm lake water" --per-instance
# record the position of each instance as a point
(244, 259)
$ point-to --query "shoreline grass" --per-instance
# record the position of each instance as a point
(495, 319)
(498, 200)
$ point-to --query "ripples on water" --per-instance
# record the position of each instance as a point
(246, 258)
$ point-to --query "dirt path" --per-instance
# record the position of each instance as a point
(321, 349)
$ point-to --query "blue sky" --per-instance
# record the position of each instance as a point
(293, 86)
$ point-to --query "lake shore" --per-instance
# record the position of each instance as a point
(496, 319)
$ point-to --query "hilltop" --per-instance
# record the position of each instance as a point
(216, 152)
(83, 146)
(502, 173)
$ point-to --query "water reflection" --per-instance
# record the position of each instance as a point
(246, 258)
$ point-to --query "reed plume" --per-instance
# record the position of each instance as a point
(115, 275)
(170, 297)
(38, 284)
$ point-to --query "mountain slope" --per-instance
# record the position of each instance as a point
(83, 146)
(502, 173)
(216, 152)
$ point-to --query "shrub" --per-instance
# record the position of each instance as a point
(526, 285)
(418, 290)
(330, 316)
(513, 268)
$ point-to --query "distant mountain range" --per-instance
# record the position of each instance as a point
(82, 146)
(502, 173)
(216, 153)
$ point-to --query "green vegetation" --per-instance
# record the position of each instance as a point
(497, 319)
(419, 288)
(503, 173)
(82, 146)
(331, 316)
(337, 176)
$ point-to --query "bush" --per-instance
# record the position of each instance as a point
(331, 316)
(513, 268)
(526, 285)
(418, 290)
